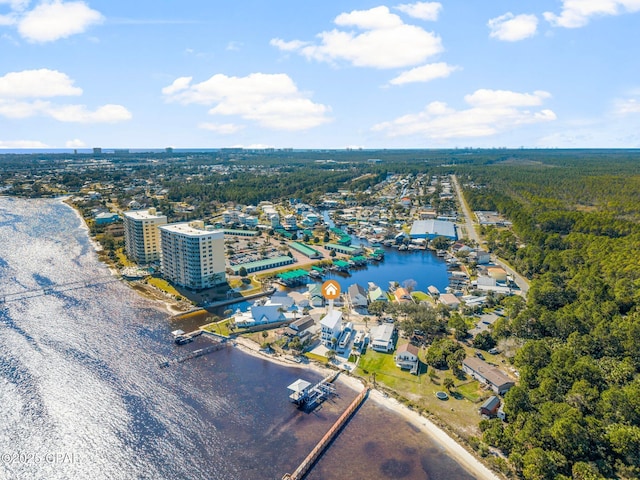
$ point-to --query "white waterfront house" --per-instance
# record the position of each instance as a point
(141, 235)
(382, 337)
(260, 315)
(192, 256)
(331, 326)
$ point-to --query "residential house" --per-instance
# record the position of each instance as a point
(302, 328)
(498, 273)
(357, 296)
(490, 407)
(402, 295)
(407, 357)
(377, 295)
(316, 299)
(383, 337)
(331, 326)
(105, 218)
(450, 300)
(260, 315)
(482, 257)
(487, 374)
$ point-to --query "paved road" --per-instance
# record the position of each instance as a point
(471, 231)
(522, 282)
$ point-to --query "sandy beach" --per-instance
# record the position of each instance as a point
(453, 448)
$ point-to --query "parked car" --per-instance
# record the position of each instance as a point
(479, 355)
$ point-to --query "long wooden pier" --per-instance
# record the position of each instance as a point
(6, 297)
(308, 462)
(195, 354)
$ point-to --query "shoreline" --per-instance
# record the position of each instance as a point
(452, 448)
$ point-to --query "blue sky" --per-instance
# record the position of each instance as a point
(285, 73)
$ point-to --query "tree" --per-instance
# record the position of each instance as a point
(409, 285)
(331, 354)
(333, 254)
(448, 383)
(484, 341)
(458, 323)
(242, 271)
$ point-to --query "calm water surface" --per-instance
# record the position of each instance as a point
(82, 396)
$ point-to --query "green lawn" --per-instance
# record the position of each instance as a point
(420, 296)
(471, 391)
(221, 327)
(458, 412)
(383, 365)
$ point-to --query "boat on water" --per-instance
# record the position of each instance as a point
(315, 274)
(403, 248)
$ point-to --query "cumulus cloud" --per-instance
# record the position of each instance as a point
(577, 13)
(22, 95)
(512, 28)
(22, 144)
(75, 143)
(490, 112)
(37, 83)
(81, 114)
(271, 100)
(221, 128)
(376, 38)
(291, 46)
(54, 20)
(423, 10)
(425, 73)
(628, 106)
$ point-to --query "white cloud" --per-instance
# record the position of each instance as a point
(37, 84)
(17, 110)
(386, 42)
(505, 98)
(6, 20)
(291, 46)
(221, 128)
(234, 46)
(75, 143)
(512, 28)
(491, 112)
(54, 20)
(271, 100)
(81, 114)
(178, 85)
(627, 106)
(16, 5)
(423, 10)
(22, 144)
(22, 94)
(576, 13)
(425, 73)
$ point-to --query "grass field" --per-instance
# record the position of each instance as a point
(221, 328)
(419, 391)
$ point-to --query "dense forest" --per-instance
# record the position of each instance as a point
(576, 410)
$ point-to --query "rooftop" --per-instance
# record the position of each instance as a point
(187, 230)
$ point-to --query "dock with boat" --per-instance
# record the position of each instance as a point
(307, 396)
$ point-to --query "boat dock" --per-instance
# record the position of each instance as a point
(307, 396)
(195, 354)
(333, 432)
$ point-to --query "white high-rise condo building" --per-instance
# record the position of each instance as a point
(141, 235)
(192, 256)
